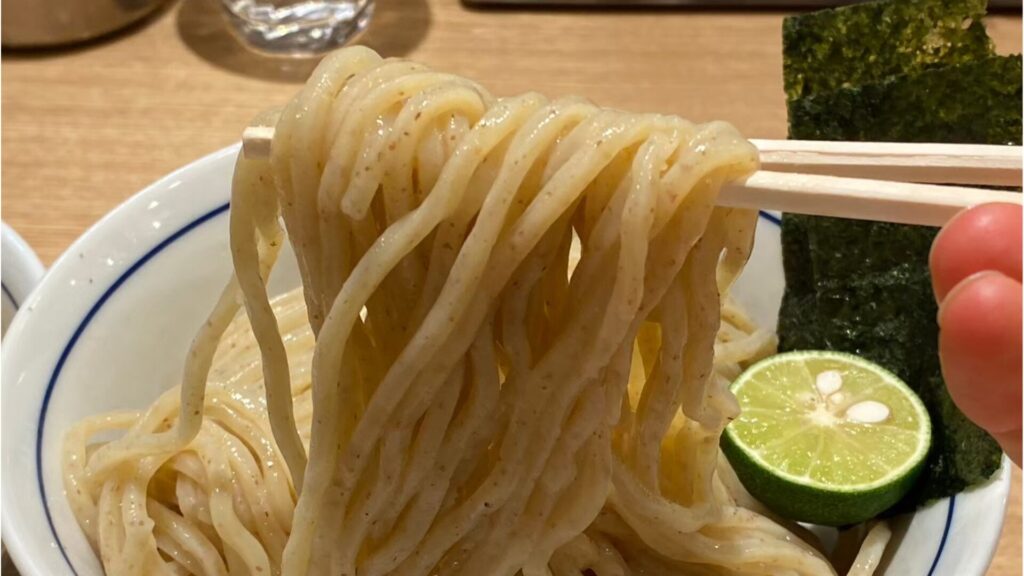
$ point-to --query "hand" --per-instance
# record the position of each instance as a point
(976, 273)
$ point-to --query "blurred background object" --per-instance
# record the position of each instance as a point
(297, 27)
(41, 23)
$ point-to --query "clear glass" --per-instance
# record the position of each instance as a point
(297, 28)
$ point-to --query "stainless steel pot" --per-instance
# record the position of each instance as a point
(29, 23)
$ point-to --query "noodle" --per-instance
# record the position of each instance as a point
(871, 550)
(509, 354)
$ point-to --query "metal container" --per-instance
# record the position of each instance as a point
(37, 23)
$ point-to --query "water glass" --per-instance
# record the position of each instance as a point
(297, 28)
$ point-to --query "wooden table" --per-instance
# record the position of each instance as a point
(84, 129)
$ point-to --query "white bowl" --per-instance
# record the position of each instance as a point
(21, 271)
(109, 326)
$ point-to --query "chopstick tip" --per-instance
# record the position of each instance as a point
(256, 141)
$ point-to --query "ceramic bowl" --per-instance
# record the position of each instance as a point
(109, 326)
(21, 271)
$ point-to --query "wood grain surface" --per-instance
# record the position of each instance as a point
(85, 128)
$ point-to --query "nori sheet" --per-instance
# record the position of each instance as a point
(974, 102)
(857, 44)
(896, 71)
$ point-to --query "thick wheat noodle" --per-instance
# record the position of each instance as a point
(870, 554)
(510, 354)
(331, 342)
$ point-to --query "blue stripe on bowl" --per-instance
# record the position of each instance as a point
(945, 535)
(52, 384)
(770, 217)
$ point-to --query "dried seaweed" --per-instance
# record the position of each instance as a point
(854, 45)
(973, 102)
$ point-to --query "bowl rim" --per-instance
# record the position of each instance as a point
(22, 548)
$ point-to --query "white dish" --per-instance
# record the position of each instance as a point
(22, 270)
(113, 319)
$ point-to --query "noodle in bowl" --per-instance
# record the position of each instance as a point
(109, 330)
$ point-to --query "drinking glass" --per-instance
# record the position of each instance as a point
(297, 28)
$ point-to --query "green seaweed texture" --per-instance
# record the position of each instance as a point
(897, 70)
(890, 110)
(864, 43)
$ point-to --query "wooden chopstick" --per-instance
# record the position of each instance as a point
(256, 141)
(815, 178)
(979, 164)
(858, 198)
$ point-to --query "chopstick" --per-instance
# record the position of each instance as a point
(980, 164)
(858, 198)
(827, 178)
(256, 141)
